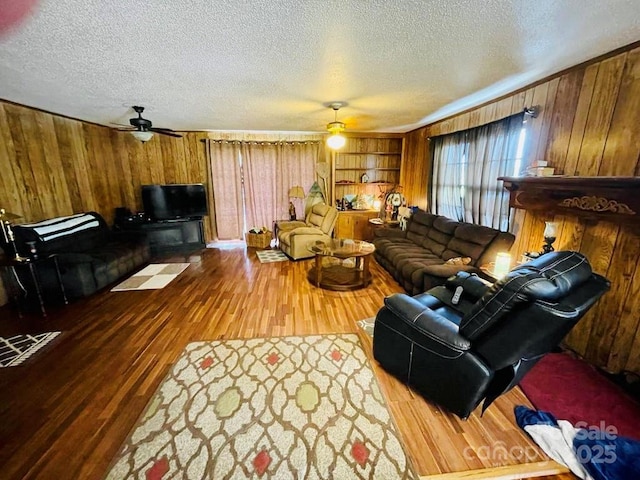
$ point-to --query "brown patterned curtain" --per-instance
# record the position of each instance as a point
(466, 167)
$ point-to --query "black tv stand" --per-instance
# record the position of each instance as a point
(177, 220)
(171, 236)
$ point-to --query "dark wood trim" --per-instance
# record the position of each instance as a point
(612, 199)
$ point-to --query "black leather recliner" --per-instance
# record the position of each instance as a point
(458, 354)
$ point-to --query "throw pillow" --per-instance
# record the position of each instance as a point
(458, 261)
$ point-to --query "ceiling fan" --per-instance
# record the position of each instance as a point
(143, 129)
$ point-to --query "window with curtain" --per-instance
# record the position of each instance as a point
(466, 167)
(250, 182)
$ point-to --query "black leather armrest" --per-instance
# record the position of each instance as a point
(438, 329)
(473, 286)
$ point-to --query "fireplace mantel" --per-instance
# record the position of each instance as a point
(614, 199)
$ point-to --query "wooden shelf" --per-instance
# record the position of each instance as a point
(614, 199)
(376, 158)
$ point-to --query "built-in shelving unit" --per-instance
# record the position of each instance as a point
(378, 157)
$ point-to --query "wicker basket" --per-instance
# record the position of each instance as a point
(258, 240)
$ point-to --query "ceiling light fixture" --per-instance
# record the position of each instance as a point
(336, 140)
(142, 135)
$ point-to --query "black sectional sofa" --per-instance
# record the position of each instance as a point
(90, 256)
(433, 247)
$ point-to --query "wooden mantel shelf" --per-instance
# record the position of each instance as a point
(614, 199)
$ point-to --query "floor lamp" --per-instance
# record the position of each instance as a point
(7, 233)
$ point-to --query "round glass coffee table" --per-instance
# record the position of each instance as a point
(341, 264)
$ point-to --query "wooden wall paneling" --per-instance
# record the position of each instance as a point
(128, 190)
(52, 164)
(627, 357)
(561, 123)
(528, 98)
(461, 122)
(503, 108)
(535, 126)
(95, 168)
(115, 182)
(620, 273)
(597, 245)
(13, 190)
(623, 140)
(68, 144)
(181, 155)
(32, 208)
(600, 113)
(415, 169)
(167, 152)
(474, 117)
(580, 119)
(487, 114)
(588, 126)
(544, 118)
(518, 102)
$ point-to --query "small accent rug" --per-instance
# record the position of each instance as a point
(270, 256)
(571, 389)
(18, 349)
(290, 407)
(367, 325)
(152, 277)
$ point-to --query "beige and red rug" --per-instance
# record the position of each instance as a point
(289, 407)
(152, 277)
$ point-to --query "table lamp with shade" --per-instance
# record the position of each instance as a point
(549, 234)
(294, 192)
(7, 233)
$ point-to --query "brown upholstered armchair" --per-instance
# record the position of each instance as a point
(294, 236)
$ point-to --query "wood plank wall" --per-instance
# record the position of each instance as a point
(589, 124)
(52, 165)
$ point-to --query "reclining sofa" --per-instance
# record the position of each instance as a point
(90, 256)
(433, 247)
(458, 350)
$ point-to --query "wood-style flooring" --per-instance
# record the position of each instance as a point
(64, 414)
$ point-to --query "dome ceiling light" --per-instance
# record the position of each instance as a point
(336, 140)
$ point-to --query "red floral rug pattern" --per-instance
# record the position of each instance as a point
(290, 407)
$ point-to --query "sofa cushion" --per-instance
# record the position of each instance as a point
(420, 224)
(440, 235)
(469, 241)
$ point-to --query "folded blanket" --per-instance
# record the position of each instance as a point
(590, 453)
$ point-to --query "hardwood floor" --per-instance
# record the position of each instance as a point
(65, 414)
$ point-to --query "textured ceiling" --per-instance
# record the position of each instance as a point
(272, 64)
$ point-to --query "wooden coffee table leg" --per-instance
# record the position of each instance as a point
(365, 270)
(318, 270)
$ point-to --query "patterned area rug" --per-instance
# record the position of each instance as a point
(16, 350)
(270, 256)
(290, 407)
(152, 277)
(367, 325)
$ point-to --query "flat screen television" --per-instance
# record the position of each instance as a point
(175, 201)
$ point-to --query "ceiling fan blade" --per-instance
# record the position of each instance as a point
(165, 131)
